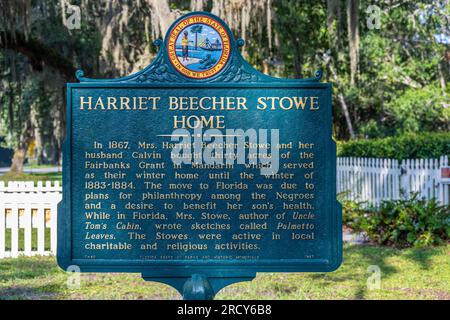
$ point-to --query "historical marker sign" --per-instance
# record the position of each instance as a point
(199, 171)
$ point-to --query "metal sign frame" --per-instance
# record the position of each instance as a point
(196, 279)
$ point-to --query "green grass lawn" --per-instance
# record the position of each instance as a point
(405, 274)
(51, 176)
(22, 238)
(38, 166)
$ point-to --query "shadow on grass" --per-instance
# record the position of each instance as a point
(27, 268)
(354, 268)
(29, 292)
(374, 255)
(423, 256)
(349, 281)
(16, 270)
(378, 256)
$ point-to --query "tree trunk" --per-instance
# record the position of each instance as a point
(298, 59)
(343, 103)
(196, 5)
(441, 77)
(348, 120)
(266, 67)
(269, 25)
(21, 150)
(11, 107)
(37, 53)
(18, 160)
(162, 9)
(353, 38)
(333, 22)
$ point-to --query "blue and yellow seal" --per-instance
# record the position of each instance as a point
(199, 46)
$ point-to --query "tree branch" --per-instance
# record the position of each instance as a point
(38, 53)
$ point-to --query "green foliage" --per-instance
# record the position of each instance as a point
(400, 88)
(407, 222)
(301, 29)
(351, 212)
(408, 146)
(419, 110)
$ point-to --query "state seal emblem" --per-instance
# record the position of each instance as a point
(199, 46)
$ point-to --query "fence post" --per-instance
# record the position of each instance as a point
(40, 229)
(2, 224)
(403, 177)
(395, 179)
(436, 182)
(14, 230)
(27, 229)
(53, 224)
(443, 195)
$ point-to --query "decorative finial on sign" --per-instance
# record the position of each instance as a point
(79, 74)
(240, 42)
(158, 42)
(318, 74)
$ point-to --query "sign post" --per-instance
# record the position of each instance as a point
(199, 171)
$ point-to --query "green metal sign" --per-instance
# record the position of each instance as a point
(199, 171)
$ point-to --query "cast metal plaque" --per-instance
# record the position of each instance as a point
(199, 171)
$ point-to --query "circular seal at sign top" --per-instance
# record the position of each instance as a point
(199, 46)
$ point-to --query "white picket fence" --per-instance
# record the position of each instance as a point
(372, 180)
(28, 210)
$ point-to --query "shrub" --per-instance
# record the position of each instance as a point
(352, 212)
(408, 222)
(404, 113)
(408, 146)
